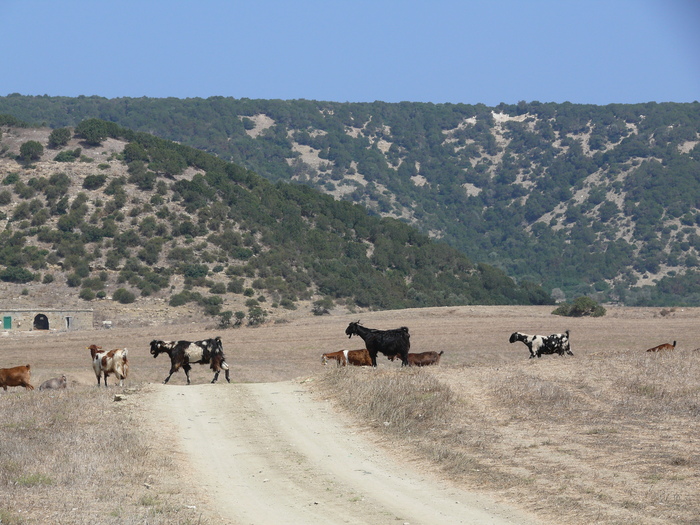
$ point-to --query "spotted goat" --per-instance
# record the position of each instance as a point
(540, 345)
(185, 353)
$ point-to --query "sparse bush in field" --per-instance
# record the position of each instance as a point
(235, 286)
(31, 150)
(69, 155)
(123, 296)
(15, 274)
(179, 299)
(322, 306)
(225, 319)
(93, 182)
(86, 294)
(218, 288)
(256, 316)
(582, 306)
(59, 137)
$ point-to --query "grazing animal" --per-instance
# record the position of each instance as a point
(663, 347)
(422, 359)
(394, 342)
(184, 353)
(54, 384)
(109, 362)
(540, 345)
(16, 376)
(93, 350)
(345, 357)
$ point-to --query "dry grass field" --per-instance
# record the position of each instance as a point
(609, 435)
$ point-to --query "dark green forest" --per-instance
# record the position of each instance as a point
(582, 199)
(137, 219)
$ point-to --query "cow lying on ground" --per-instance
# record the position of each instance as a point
(344, 357)
(540, 345)
(184, 353)
(54, 384)
(109, 362)
(16, 376)
(422, 358)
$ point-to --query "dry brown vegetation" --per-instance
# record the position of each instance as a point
(77, 456)
(608, 436)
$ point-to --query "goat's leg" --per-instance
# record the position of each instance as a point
(216, 376)
(228, 379)
(173, 369)
(187, 368)
(373, 357)
(105, 373)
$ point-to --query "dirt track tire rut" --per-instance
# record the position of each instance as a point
(269, 453)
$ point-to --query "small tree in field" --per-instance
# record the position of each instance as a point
(31, 150)
(59, 137)
(582, 306)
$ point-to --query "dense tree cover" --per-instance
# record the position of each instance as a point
(581, 198)
(226, 229)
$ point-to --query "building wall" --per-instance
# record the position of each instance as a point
(46, 319)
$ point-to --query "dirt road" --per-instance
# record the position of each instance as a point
(270, 453)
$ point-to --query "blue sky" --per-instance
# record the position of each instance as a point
(592, 51)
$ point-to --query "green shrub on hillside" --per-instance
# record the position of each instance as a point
(59, 137)
(123, 296)
(31, 150)
(14, 274)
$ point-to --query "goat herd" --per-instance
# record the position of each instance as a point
(395, 344)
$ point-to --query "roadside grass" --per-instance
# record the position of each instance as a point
(606, 439)
(78, 456)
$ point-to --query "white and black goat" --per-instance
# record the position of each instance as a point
(540, 345)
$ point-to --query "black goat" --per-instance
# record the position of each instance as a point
(394, 342)
(184, 353)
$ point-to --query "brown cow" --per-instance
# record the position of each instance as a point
(422, 359)
(661, 348)
(16, 376)
(353, 357)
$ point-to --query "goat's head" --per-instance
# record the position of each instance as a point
(352, 329)
(157, 347)
(217, 345)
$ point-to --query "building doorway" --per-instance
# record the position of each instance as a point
(41, 322)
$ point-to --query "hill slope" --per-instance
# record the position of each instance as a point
(114, 213)
(606, 197)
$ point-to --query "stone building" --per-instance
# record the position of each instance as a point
(25, 319)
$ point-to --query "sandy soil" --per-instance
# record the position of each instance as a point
(275, 453)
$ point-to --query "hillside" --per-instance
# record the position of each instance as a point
(598, 200)
(102, 213)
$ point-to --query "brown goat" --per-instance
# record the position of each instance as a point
(661, 348)
(345, 357)
(16, 376)
(422, 359)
